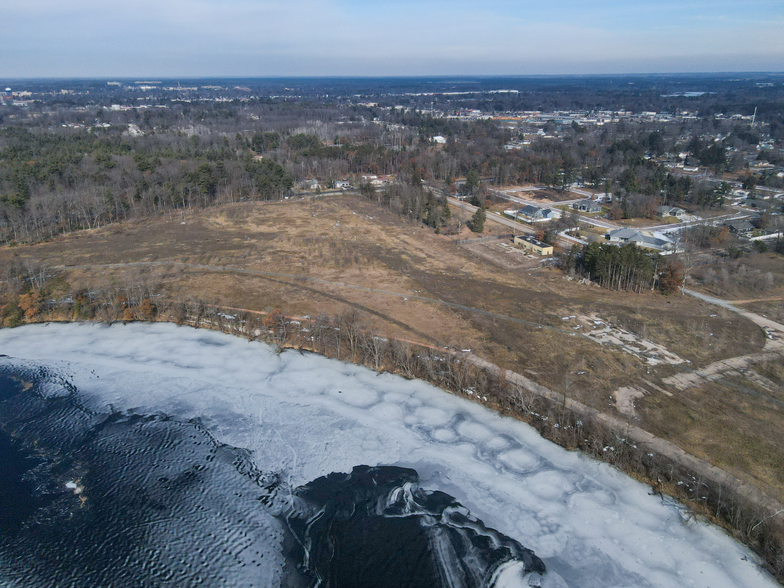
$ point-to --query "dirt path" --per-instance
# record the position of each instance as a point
(751, 301)
(640, 437)
(774, 348)
(757, 319)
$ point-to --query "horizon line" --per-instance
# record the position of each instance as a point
(391, 76)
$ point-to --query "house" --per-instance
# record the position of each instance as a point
(639, 238)
(535, 214)
(740, 227)
(621, 235)
(663, 211)
(342, 184)
(534, 245)
(439, 140)
(587, 205)
(310, 185)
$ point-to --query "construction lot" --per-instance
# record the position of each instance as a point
(510, 308)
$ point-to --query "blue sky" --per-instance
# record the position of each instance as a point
(88, 38)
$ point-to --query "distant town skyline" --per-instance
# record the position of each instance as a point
(189, 38)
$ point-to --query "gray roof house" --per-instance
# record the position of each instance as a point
(670, 211)
(587, 205)
(640, 239)
(740, 227)
(536, 214)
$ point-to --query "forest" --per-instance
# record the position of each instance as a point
(79, 161)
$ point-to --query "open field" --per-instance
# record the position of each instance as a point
(323, 255)
(754, 276)
(747, 429)
(542, 196)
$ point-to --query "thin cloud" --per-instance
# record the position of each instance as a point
(331, 37)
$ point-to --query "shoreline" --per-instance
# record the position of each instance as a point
(741, 509)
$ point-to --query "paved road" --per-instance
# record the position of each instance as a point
(564, 240)
(609, 225)
(492, 216)
(670, 228)
(508, 195)
(597, 222)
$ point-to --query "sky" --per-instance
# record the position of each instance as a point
(227, 38)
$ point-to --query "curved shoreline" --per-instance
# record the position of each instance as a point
(566, 422)
(531, 488)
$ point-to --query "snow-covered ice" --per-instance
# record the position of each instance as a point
(307, 416)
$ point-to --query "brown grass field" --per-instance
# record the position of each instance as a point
(323, 255)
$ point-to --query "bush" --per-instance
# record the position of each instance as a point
(671, 276)
(147, 309)
(477, 222)
(734, 253)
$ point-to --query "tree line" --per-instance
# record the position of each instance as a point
(625, 268)
(54, 180)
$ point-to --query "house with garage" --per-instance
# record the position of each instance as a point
(587, 205)
(741, 226)
(664, 211)
(535, 214)
(642, 239)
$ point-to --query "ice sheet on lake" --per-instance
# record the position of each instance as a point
(308, 416)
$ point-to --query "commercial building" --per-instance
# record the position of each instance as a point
(533, 245)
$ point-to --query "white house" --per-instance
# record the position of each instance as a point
(657, 241)
(535, 214)
(663, 211)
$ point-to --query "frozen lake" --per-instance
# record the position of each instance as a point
(302, 417)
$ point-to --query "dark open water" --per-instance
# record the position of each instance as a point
(118, 499)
